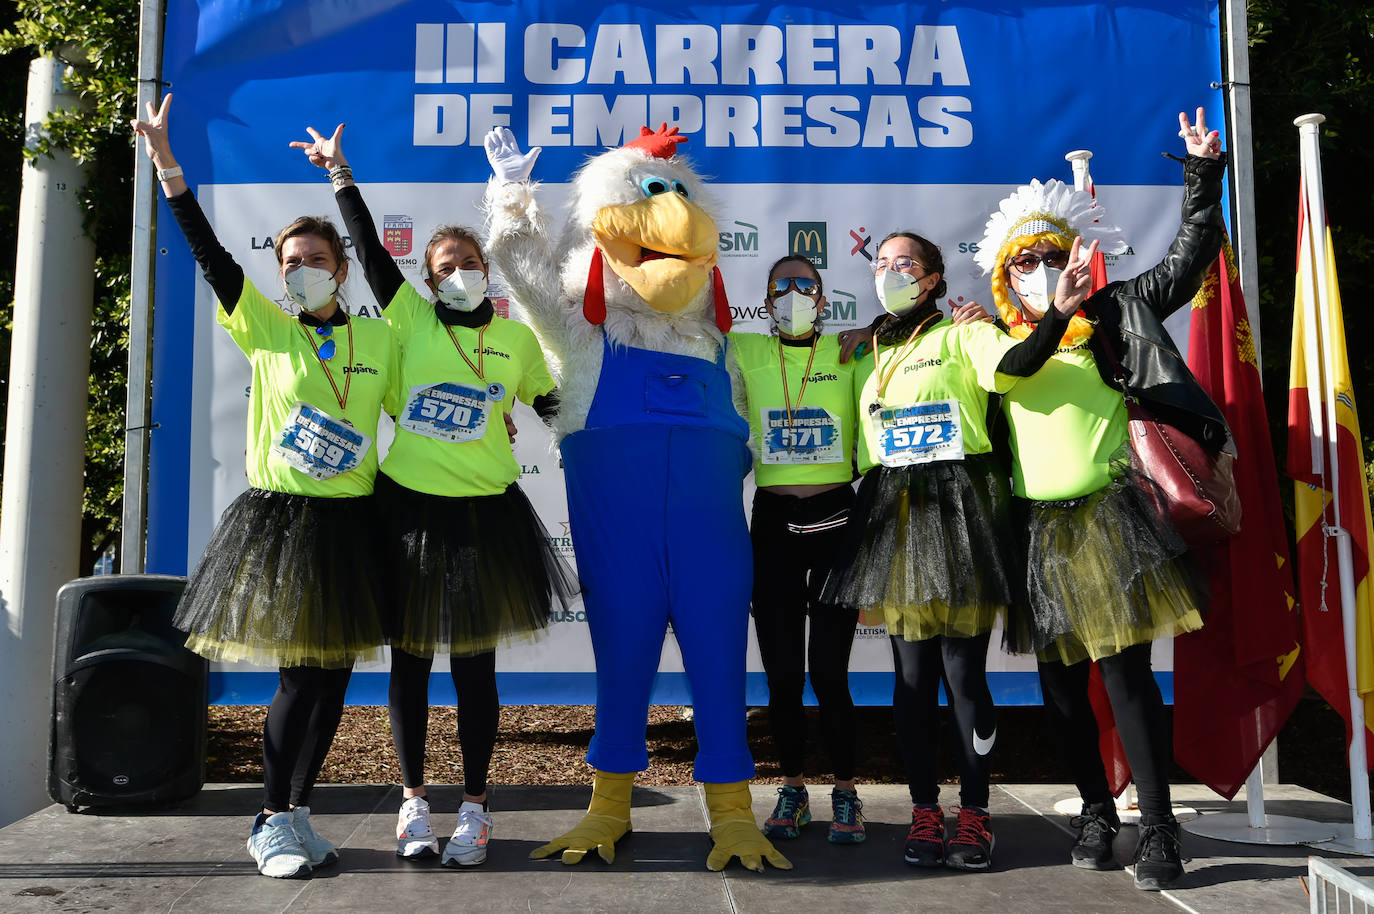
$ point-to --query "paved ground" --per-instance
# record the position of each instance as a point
(192, 858)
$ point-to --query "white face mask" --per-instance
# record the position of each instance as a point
(1038, 287)
(462, 290)
(897, 292)
(795, 313)
(310, 287)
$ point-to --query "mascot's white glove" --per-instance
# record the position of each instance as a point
(507, 161)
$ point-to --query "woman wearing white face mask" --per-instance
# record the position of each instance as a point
(801, 416)
(282, 582)
(469, 562)
(924, 549)
(1106, 572)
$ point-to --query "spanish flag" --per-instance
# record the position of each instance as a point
(1331, 491)
(1238, 678)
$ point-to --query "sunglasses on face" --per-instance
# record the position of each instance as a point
(327, 348)
(900, 263)
(1026, 262)
(803, 284)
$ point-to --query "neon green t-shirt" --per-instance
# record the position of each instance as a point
(451, 432)
(947, 362)
(1066, 428)
(286, 371)
(817, 445)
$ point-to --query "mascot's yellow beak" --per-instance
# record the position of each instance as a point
(663, 247)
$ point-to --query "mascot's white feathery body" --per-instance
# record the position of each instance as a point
(630, 306)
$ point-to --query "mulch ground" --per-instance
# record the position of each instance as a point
(546, 744)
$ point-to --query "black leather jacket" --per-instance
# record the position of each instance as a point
(1133, 351)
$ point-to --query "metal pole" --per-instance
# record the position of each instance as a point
(40, 521)
(1316, 213)
(138, 409)
(1240, 151)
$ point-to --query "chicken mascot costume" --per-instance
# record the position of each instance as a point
(630, 305)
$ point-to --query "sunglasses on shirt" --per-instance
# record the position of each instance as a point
(327, 348)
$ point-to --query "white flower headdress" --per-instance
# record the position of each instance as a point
(1036, 208)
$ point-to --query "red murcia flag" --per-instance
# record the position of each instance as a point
(1237, 680)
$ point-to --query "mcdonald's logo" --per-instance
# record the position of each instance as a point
(808, 239)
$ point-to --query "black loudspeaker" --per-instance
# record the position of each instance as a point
(129, 700)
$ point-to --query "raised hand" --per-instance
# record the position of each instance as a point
(154, 133)
(1077, 279)
(1199, 140)
(326, 153)
(159, 147)
(507, 161)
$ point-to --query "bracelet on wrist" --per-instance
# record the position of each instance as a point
(167, 174)
(340, 173)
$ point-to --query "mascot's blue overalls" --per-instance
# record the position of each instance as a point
(655, 506)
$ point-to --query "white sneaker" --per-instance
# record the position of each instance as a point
(414, 837)
(277, 850)
(468, 846)
(321, 851)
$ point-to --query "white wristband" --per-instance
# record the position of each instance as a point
(167, 174)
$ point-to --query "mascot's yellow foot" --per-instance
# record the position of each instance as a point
(735, 832)
(606, 822)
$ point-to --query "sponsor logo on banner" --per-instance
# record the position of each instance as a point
(749, 313)
(529, 469)
(568, 615)
(1114, 259)
(871, 632)
(499, 298)
(841, 310)
(562, 541)
(862, 239)
(398, 234)
(808, 239)
(738, 243)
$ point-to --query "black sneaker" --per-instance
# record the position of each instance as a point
(1158, 855)
(971, 846)
(925, 842)
(1097, 825)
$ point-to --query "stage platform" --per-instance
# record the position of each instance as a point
(192, 859)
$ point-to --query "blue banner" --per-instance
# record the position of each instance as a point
(821, 126)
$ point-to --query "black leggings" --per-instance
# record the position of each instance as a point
(479, 712)
(300, 727)
(1140, 719)
(789, 572)
(962, 664)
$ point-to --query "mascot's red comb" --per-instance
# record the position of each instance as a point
(661, 143)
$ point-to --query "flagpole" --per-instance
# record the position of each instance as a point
(1313, 198)
(1078, 161)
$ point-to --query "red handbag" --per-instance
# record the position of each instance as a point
(1197, 486)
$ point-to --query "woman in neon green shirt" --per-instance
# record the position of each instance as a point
(801, 418)
(470, 562)
(285, 579)
(931, 523)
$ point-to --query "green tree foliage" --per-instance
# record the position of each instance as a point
(99, 38)
(1305, 57)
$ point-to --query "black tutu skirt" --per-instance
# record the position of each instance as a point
(1103, 572)
(925, 549)
(287, 580)
(464, 575)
